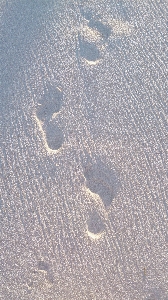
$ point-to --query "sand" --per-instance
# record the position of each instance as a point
(84, 212)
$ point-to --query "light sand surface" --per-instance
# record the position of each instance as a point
(83, 102)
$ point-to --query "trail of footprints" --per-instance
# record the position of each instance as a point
(99, 180)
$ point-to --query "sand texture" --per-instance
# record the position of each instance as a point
(83, 116)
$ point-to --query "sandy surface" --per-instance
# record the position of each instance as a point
(83, 150)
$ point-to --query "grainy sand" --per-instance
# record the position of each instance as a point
(83, 150)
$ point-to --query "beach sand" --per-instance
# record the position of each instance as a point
(83, 150)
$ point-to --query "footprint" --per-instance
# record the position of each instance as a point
(114, 27)
(49, 104)
(29, 284)
(48, 107)
(88, 51)
(40, 278)
(95, 23)
(54, 136)
(102, 181)
(92, 33)
(43, 266)
(95, 226)
(103, 29)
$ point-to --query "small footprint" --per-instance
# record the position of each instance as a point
(40, 278)
(29, 286)
(92, 33)
(88, 51)
(43, 266)
(103, 29)
(54, 136)
(94, 23)
(95, 226)
(111, 27)
(49, 106)
(102, 181)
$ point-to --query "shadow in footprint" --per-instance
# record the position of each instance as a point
(43, 266)
(102, 181)
(104, 30)
(54, 136)
(49, 104)
(95, 226)
(88, 50)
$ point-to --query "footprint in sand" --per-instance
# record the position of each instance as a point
(103, 29)
(91, 33)
(49, 104)
(53, 135)
(108, 27)
(103, 182)
(48, 108)
(88, 51)
(43, 266)
(42, 277)
(95, 34)
(95, 226)
(94, 23)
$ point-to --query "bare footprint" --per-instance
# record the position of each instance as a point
(114, 27)
(49, 104)
(40, 278)
(88, 51)
(94, 23)
(95, 226)
(48, 107)
(103, 29)
(43, 266)
(102, 181)
(54, 135)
